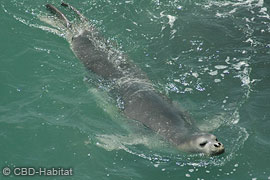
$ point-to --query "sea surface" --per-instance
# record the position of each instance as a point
(211, 57)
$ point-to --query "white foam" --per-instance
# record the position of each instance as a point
(171, 20)
(213, 73)
(240, 64)
(194, 74)
(170, 17)
(221, 67)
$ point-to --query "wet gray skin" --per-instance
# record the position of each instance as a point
(141, 101)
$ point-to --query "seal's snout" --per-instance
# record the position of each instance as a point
(218, 149)
(218, 144)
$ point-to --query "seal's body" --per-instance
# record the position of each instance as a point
(141, 101)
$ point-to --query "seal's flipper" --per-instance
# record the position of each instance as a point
(82, 18)
(60, 15)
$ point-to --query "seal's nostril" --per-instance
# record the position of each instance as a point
(216, 145)
(219, 143)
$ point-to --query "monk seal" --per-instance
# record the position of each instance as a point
(140, 100)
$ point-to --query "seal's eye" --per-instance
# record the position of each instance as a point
(203, 143)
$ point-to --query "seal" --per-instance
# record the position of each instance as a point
(140, 100)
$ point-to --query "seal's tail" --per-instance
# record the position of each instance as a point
(82, 18)
(60, 15)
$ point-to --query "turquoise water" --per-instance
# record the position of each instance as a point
(210, 57)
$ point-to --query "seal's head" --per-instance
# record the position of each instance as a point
(203, 143)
